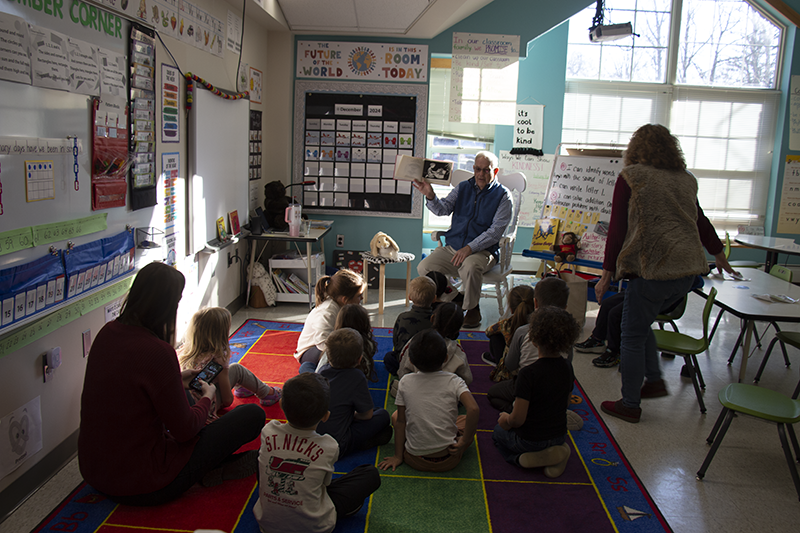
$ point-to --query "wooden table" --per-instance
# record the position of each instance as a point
(736, 297)
(773, 246)
(313, 235)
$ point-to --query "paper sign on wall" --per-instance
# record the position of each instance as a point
(23, 428)
(528, 126)
(789, 214)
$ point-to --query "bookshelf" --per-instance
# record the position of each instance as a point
(285, 274)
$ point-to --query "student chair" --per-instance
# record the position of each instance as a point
(674, 343)
(761, 403)
(738, 264)
(498, 275)
(785, 337)
(671, 316)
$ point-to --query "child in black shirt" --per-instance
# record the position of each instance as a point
(534, 433)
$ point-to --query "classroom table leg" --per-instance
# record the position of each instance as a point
(381, 288)
(250, 276)
(310, 286)
(745, 350)
(408, 279)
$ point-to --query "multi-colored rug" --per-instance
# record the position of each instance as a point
(598, 492)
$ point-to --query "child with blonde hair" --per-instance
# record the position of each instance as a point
(207, 340)
(331, 293)
(422, 293)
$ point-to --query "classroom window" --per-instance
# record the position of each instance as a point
(717, 93)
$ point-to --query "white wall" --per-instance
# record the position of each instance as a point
(209, 279)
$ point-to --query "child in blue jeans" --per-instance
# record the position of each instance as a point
(534, 433)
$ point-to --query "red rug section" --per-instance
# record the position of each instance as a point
(224, 503)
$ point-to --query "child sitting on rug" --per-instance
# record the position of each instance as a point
(354, 422)
(295, 464)
(534, 433)
(331, 293)
(207, 340)
(520, 306)
(430, 436)
(421, 292)
(356, 317)
(447, 320)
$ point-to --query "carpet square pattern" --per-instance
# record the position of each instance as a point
(598, 491)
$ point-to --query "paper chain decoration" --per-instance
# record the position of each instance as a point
(190, 78)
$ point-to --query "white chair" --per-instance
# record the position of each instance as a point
(498, 275)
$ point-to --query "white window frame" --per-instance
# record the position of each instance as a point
(593, 113)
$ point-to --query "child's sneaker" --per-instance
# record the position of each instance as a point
(487, 358)
(273, 397)
(241, 392)
(590, 345)
(607, 360)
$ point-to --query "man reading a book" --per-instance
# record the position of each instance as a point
(481, 209)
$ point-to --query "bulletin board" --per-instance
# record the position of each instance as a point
(346, 139)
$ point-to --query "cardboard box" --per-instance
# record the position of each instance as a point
(351, 259)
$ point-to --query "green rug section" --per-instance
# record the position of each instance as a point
(417, 503)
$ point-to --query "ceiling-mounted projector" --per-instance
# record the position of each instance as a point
(610, 32)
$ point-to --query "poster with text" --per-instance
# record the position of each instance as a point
(362, 61)
(170, 104)
(14, 62)
(789, 214)
(537, 170)
(528, 126)
(794, 114)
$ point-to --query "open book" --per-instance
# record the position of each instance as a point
(433, 171)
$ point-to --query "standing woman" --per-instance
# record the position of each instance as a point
(140, 441)
(655, 239)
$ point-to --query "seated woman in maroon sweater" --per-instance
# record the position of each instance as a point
(140, 441)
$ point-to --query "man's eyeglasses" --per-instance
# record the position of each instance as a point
(478, 170)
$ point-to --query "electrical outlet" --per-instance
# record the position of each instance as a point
(340, 240)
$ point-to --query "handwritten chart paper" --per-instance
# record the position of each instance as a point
(537, 170)
(794, 114)
(14, 62)
(528, 126)
(477, 51)
(581, 190)
(789, 214)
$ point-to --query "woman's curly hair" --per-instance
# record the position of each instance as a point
(553, 330)
(653, 145)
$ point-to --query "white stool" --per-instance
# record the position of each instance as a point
(382, 261)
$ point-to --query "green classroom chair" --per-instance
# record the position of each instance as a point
(761, 403)
(738, 264)
(674, 343)
(671, 316)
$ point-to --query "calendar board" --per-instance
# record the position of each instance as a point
(346, 139)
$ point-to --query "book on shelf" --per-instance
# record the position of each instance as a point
(298, 281)
(433, 171)
(279, 283)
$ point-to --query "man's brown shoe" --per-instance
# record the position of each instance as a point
(473, 318)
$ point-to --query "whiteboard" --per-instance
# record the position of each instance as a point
(219, 151)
